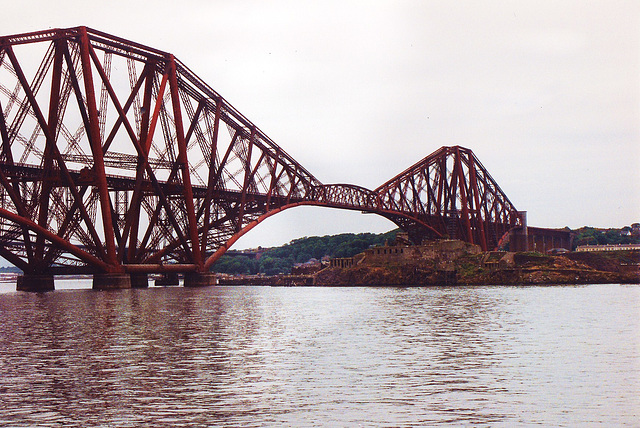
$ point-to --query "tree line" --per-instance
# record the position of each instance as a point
(280, 260)
(593, 236)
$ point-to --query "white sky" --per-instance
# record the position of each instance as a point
(546, 93)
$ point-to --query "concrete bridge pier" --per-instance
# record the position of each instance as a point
(111, 281)
(35, 283)
(198, 279)
(139, 280)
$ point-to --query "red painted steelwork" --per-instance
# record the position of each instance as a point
(115, 157)
(452, 192)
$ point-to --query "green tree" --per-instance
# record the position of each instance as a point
(281, 259)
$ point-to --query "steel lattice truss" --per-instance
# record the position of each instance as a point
(115, 157)
(449, 194)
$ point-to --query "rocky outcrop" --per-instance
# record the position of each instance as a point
(489, 269)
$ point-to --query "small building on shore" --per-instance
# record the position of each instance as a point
(310, 267)
(342, 262)
(441, 251)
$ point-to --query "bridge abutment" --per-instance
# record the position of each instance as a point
(35, 283)
(139, 280)
(196, 279)
(111, 281)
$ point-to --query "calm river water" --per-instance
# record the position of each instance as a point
(330, 357)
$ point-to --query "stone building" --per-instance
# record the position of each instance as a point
(441, 250)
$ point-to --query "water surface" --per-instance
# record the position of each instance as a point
(266, 356)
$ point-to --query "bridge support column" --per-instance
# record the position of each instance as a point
(139, 280)
(111, 281)
(196, 279)
(37, 283)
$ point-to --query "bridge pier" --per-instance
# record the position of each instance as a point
(111, 281)
(35, 283)
(197, 279)
(139, 280)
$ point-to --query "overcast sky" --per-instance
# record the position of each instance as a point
(546, 93)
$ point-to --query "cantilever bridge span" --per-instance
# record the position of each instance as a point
(118, 161)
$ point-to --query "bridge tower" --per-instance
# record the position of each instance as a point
(449, 194)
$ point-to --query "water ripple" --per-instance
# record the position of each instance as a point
(486, 356)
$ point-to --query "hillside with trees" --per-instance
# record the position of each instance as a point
(593, 236)
(278, 260)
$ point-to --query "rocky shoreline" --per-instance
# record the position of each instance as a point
(493, 269)
(467, 268)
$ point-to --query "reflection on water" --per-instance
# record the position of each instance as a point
(260, 356)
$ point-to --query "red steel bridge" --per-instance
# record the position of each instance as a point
(118, 161)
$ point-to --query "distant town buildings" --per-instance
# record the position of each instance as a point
(608, 247)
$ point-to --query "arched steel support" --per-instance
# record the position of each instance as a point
(223, 248)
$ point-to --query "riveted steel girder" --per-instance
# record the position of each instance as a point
(115, 157)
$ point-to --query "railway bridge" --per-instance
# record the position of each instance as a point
(116, 160)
